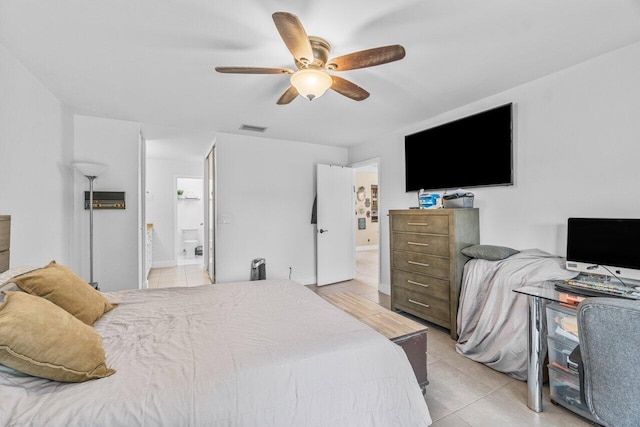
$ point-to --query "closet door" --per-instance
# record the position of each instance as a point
(210, 214)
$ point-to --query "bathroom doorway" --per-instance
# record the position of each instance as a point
(189, 232)
(366, 223)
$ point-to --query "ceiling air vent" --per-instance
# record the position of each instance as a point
(253, 128)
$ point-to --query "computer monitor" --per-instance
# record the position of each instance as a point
(605, 246)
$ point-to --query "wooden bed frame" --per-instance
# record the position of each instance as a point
(5, 240)
(407, 333)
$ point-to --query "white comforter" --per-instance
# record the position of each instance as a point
(492, 319)
(264, 353)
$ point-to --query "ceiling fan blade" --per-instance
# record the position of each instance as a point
(348, 89)
(294, 36)
(367, 58)
(254, 70)
(289, 95)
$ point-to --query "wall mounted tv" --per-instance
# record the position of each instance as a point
(475, 151)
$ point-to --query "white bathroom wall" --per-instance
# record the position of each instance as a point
(576, 149)
(189, 211)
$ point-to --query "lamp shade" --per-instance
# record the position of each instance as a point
(90, 169)
(311, 83)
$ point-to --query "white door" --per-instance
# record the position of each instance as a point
(334, 243)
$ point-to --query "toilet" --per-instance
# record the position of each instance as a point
(190, 241)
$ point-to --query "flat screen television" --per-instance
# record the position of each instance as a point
(605, 246)
(475, 151)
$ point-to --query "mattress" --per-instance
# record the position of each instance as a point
(262, 353)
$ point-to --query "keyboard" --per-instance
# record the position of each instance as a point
(596, 289)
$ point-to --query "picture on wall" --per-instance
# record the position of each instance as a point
(374, 203)
(362, 223)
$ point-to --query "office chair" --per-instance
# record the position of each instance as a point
(609, 330)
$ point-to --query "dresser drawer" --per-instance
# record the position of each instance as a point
(425, 263)
(429, 286)
(432, 309)
(422, 243)
(437, 224)
(421, 263)
(5, 227)
(4, 261)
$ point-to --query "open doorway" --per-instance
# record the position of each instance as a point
(366, 224)
(189, 221)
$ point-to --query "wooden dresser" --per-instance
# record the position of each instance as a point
(5, 239)
(426, 262)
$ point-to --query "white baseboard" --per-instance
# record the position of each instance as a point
(367, 248)
(385, 288)
(305, 281)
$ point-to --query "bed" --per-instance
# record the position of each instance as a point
(492, 319)
(261, 353)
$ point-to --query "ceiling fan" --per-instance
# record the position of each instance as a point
(311, 56)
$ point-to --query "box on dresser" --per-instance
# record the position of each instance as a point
(426, 262)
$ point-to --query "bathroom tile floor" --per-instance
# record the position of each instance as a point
(183, 260)
(181, 275)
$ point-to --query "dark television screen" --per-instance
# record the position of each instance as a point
(603, 241)
(475, 151)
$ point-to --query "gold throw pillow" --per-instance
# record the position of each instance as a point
(42, 340)
(64, 288)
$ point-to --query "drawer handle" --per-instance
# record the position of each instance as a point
(417, 244)
(418, 263)
(417, 223)
(417, 283)
(419, 303)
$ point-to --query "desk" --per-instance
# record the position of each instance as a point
(538, 295)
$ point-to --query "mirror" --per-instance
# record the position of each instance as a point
(361, 193)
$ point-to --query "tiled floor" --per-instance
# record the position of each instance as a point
(367, 267)
(460, 393)
(183, 260)
(182, 275)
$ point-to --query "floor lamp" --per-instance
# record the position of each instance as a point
(91, 171)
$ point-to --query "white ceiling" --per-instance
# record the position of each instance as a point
(152, 61)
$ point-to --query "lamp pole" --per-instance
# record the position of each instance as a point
(91, 282)
(91, 172)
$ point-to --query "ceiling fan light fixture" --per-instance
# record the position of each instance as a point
(311, 83)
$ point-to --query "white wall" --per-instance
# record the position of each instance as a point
(369, 236)
(266, 189)
(36, 143)
(116, 232)
(161, 198)
(577, 147)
